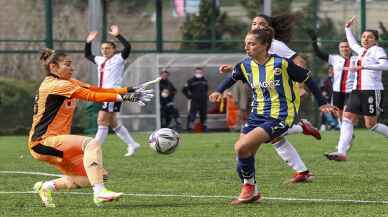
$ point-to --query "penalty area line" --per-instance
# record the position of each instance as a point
(315, 200)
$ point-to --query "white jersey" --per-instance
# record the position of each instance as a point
(110, 71)
(366, 79)
(343, 78)
(281, 49)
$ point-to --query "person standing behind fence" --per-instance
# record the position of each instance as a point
(110, 74)
(196, 90)
(168, 110)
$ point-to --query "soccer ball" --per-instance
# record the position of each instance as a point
(164, 141)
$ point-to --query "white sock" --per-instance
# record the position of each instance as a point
(380, 129)
(345, 136)
(296, 128)
(249, 181)
(124, 135)
(97, 188)
(287, 152)
(102, 133)
(49, 185)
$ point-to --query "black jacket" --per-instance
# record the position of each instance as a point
(166, 84)
(196, 89)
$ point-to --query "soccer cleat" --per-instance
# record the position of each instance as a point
(309, 129)
(336, 156)
(44, 194)
(301, 177)
(132, 149)
(249, 194)
(105, 196)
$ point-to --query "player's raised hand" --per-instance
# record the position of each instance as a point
(91, 36)
(328, 108)
(215, 97)
(225, 68)
(350, 22)
(114, 30)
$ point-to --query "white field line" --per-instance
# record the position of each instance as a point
(317, 200)
(31, 173)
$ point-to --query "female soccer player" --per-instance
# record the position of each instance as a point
(273, 109)
(366, 96)
(282, 27)
(79, 158)
(342, 68)
(110, 75)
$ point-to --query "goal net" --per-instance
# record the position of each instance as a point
(181, 68)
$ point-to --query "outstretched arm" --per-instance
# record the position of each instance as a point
(127, 46)
(320, 53)
(88, 46)
(350, 37)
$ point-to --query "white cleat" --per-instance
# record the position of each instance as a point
(105, 196)
(44, 194)
(132, 149)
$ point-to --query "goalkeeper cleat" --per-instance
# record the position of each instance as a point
(249, 194)
(309, 129)
(105, 196)
(336, 156)
(44, 194)
(302, 177)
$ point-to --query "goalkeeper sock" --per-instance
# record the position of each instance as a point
(287, 152)
(49, 185)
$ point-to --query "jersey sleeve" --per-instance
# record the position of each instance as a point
(230, 80)
(281, 49)
(380, 53)
(352, 41)
(98, 60)
(65, 88)
(331, 59)
(297, 73)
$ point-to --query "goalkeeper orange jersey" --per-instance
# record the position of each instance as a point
(55, 103)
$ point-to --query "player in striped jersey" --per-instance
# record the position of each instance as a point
(110, 75)
(79, 158)
(343, 65)
(282, 26)
(274, 108)
(366, 97)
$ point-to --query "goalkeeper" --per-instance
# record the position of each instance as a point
(79, 158)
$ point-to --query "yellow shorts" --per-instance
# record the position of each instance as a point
(65, 152)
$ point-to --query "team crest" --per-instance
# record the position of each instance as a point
(277, 71)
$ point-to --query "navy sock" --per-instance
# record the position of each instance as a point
(246, 168)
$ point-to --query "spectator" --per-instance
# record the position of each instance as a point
(195, 90)
(329, 120)
(168, 110)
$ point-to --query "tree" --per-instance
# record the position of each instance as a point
(210, 24)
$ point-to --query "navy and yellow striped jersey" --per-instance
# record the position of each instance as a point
(275, 91)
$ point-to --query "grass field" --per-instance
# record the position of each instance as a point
(199, 180)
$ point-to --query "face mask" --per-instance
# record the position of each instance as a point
(164, 94)
(198, 75)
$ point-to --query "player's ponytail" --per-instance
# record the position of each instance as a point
(49, 56)
(265, 36)
(282, 25)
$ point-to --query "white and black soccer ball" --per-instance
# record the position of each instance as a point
(164, 140)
